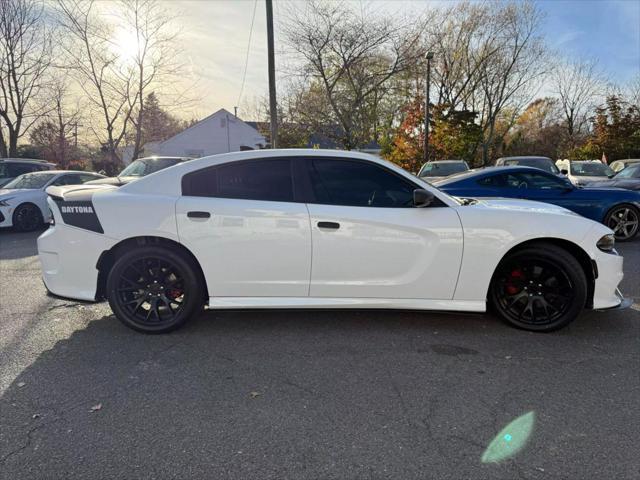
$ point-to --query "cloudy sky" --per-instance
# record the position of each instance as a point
(215, 36)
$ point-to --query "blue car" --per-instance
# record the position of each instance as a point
(617, 208)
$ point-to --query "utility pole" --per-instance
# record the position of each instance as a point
(426, 109)
(272, 77)
(235, 112)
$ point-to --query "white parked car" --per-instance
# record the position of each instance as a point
(23, 201)
(583, 172)
(319, 229)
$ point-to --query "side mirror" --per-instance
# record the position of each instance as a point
(564, 171)
(422, 198)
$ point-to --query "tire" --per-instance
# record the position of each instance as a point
(540, 288)
(624, 220)
(27, 217)
(154, 289)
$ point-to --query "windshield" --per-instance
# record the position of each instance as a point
(442, 169)
(30, 180)
(590, 169)
(145, 166)
(542, 163)
(629, 172)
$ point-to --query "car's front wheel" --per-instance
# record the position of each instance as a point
(624, 220)
(154, 289)
(27, 217)
(541, 287)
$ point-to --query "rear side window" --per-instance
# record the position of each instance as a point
(18, 169)
(358, 184)
(267, 180)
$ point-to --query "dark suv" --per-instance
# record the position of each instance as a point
(11, 168)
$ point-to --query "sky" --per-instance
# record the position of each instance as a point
(215, 36)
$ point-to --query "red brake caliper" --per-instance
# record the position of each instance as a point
(514, 277)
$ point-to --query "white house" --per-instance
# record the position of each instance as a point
(220, 132)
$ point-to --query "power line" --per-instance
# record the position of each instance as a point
(246, 58)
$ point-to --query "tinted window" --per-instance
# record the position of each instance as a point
(358, 184)
(493, 181)
(69, 179)
(20, 168)
(269, 180)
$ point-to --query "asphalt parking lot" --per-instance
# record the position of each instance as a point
(310, 394)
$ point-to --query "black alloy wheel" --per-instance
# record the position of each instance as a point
(154, 289)
(624, 220)
(539, 288)
(27, 217)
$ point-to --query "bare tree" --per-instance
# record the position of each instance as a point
(347, 59)
(155, 55)
(107, 84)
(25, 56)
(56, 133)
(577, 85)
(508, 78)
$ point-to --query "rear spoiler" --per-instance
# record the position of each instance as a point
(75, 205)
(76, 192)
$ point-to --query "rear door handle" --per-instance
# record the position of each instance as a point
(329, 225)
(198, 214)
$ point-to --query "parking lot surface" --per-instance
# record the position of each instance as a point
(310, 394)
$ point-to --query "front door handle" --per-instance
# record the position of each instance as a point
(329, 225)
(198, 214)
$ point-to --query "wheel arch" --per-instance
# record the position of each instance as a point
(108, 257)
(586, 262)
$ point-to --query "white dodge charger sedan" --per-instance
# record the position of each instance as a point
(319, 229)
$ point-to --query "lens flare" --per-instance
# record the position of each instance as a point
(510, 440)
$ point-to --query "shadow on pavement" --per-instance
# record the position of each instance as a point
(15, 245)
(331, 394)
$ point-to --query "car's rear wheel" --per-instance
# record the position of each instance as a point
(541, 288)
(624, 220)
(154, 289)
(27, 217)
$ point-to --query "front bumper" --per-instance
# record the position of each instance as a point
(606, 294)
(623, 305)
(6, 214)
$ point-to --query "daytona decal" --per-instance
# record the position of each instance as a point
(79, 213)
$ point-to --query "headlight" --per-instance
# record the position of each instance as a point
(607, 243)
(4, 202)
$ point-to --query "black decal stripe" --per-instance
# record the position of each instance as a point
(79, 214)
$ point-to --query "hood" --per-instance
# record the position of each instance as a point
(628, 183)
(516, 205)
(117, 181)
(585, 180)
(10, 192)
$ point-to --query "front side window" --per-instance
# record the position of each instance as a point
(267, 180)
(358, 184)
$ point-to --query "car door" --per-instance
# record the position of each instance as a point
(241, 222)
(369, 241)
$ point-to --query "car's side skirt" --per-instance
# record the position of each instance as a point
(318, 302)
